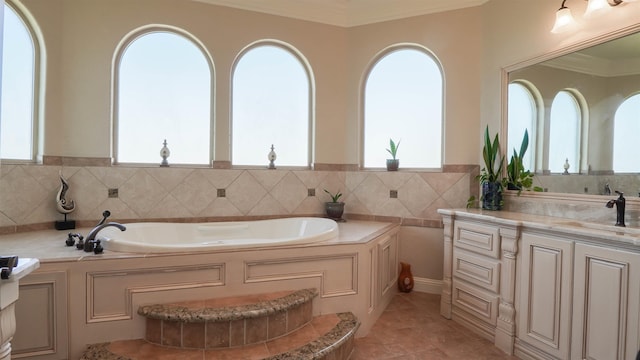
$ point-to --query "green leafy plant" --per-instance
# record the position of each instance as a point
(492, 170)
(334, 197)
(393, 148)
(490, 176)
(517, 177)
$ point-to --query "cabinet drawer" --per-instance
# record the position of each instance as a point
(478, 270)
(482, 304)
(480, 239)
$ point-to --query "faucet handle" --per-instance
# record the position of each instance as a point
(105, 215)
(98, 249)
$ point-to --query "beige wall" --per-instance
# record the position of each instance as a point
(82, 36)
(519, 30)
(472, 44)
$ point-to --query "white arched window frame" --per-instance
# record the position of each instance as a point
(22, 116)
(194, 141)
(568, 123)
(421, 137)
(625, 134)
(524, 112)
(263, 113)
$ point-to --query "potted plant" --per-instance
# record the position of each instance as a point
(491, 174)
(393, 163)
(517, 177)
(334, 208)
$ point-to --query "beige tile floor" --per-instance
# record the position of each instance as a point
(412, 328)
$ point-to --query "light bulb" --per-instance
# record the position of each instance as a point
(596, 7)
(564, 21)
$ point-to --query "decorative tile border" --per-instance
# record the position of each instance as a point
(28, 193)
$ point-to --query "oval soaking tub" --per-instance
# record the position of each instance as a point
(157, 237)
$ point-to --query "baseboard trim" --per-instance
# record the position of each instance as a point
(425, 285)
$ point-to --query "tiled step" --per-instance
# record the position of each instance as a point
(228, 322)
(325, 337)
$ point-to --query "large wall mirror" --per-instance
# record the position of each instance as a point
(582, 111)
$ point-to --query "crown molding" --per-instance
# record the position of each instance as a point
(347, 13)
(592, 65)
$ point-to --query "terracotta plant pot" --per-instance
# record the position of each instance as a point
(334, 210)
(392, 164)
(405, 279)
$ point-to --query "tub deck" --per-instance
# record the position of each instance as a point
(95, 297)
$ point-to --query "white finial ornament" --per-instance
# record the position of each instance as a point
(164, 153)
(272, 157)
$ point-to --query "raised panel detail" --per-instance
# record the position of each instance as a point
(338, 273)
(481, 239)
(110, 293)
(545, 276)
(479, 303)
(478, 270)
(603, 306)
(387, 251)
(43, 305)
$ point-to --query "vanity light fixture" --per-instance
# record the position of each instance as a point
(595, 7)
(565, 20)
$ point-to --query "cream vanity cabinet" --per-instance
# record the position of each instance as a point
(542, 290)
(577, 300)
(479, 276)
(544, 296)
(606, 303)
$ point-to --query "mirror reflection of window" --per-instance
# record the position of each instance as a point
(18, 71)
(164, 92)
(625, 136)
(403, 101)
(564, 133)
(522, 115)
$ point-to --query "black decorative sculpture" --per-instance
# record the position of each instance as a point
(64, 207)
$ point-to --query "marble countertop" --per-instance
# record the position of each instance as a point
(9, 287)
(622, 236)
(49, 245)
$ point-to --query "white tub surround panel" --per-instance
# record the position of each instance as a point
(543, 287)
(355, 271)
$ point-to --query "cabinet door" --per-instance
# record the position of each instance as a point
(544, 313)
(605, 311)
(42, 305)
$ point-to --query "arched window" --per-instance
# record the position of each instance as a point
(565, 132)
(272, 94)
(522, 115)
(403, 101)
(163, 90)
(625, 135)
(18, 88)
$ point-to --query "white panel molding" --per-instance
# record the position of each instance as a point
(373, 286)
(475, 269)
(154, 280)
(388, 264)
(49, 288)
(307, 267)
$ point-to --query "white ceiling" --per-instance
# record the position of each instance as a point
(347, 13)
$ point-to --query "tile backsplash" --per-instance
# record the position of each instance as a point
(28, 192)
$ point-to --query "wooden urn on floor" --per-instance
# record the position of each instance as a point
(405, 279)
